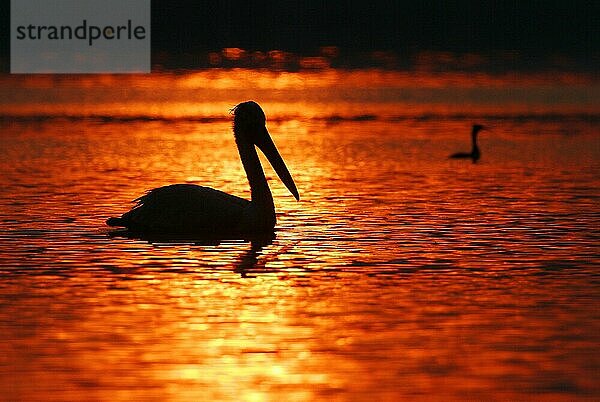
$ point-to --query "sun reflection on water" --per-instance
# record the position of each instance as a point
(399, 273)
(329, 94)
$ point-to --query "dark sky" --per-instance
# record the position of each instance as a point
(567, 27)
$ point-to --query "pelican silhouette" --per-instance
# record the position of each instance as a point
(474, 155)
(192, 209)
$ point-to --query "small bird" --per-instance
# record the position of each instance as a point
(192, 209)
(475, 154)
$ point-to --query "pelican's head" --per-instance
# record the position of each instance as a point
(249, 125)
(248, 119)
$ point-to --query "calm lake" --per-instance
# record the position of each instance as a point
(400, 274)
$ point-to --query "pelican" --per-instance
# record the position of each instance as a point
(192, 209)
(474, 155)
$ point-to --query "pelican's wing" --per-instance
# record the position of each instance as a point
(185, 208)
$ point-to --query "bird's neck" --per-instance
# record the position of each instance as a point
(261, 195)
(474, 141)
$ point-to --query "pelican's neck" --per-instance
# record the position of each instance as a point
(261, 195)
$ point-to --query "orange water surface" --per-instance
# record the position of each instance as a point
(401, 274)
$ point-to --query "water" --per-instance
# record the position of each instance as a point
(399, 274)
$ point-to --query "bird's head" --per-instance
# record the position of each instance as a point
(249, 126)
(248, 119)
(477, 128)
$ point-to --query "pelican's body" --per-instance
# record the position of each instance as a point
(475, 154)
(188, 208)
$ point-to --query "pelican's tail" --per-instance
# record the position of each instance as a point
(116, 222)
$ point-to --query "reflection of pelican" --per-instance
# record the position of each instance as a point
(247, 263)
(474, 154)
(187, 208)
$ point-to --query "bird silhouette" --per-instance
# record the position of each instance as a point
(192, 209)
(475, 154)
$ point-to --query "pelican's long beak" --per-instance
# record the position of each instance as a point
(267, 146)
